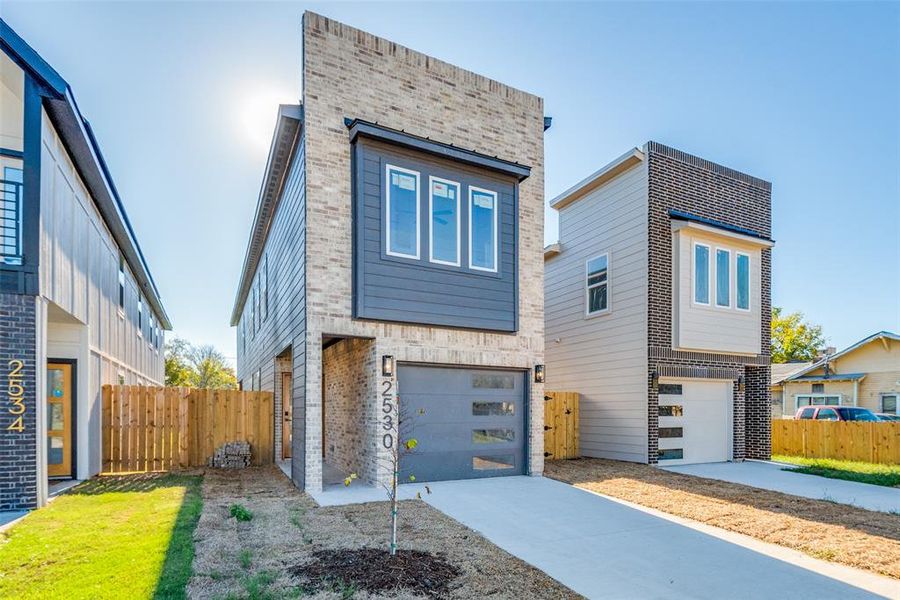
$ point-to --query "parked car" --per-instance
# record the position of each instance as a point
(887, 417)
(836, 413)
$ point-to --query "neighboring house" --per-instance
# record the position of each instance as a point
(780, 372)
(657, 308)
(78, 305)
(866, 374)
(397, 246)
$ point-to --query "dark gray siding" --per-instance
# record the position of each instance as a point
(391, 288)
(284, 324)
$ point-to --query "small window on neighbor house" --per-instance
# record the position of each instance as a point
(482, 229)
(743, 281)
(140, 323)
(818, 388)
(258, 379)
(817, 400)
(597, 273)
(121, 282)
(723, 278)
(402, 207)
(889, 404)
(701, 274)
(443, 207)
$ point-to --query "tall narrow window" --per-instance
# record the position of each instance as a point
(723, 277)
(11, 216)
(121, 282)
(482, 229)
(265, 287)
(598, 284)
(402, 197)
(743, 281)
(701, 274)
(443, 205)
(140, 322)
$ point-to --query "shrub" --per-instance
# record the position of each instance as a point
(240, 512)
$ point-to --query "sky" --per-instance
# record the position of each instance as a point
(183, 97)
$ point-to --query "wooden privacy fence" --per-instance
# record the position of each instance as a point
(560, 425)
(158, 429)
(876, 442)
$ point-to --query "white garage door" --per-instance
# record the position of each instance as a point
(695, 422)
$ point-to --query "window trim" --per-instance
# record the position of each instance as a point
(587, 287)
(140, 316)
(797, 397)
(715, 278)
(709, 271)
(896, 396)
(387, 215)
(738, 253)
(496, 211)
(431, 180)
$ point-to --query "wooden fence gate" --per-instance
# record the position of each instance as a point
(560, 425)
(867, 441)
(158, 429)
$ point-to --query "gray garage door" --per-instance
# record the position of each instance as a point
(468, 423)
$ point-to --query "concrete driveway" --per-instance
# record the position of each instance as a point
(604, 549)
(772, 476)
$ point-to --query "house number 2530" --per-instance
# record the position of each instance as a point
(15, 391)
(387, 414)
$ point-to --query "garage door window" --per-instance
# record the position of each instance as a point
(674, 410)
(671, 432)
(493, 409)
(493, 436)
(493, 463)
(670, 389)
(493, 382)
(671, 454)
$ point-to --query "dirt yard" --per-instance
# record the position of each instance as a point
(826, 530)
(253, 559)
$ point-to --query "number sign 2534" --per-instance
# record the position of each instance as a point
(15, 391)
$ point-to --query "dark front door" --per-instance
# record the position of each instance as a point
(468, 422)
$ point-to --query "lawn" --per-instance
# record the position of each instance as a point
(835, 532)
(110, 537)
(862, 472)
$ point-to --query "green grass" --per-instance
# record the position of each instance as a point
(863, 472)
(110, 537)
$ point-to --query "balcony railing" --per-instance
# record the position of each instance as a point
(10, 222)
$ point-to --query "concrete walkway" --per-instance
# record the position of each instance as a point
(602, 548)
(771, 476)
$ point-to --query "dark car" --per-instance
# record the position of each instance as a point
(836, 413)
(887, 417)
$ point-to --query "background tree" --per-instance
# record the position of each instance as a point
(793, 338)
(197, 366)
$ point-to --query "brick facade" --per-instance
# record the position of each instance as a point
(18, 468)
(352, 74)
(693, 185)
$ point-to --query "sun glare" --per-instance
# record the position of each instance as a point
(257, 111)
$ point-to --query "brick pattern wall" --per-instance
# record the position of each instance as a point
(350, 73)
(697, 186)
(18, 466)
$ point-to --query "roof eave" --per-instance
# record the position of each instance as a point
(598, 178)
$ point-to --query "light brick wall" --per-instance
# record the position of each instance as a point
(350, 73)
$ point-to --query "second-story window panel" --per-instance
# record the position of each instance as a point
(444, 224)
(402, 205)
(743, 281)
(597, 289)
(723, 278)
(11, 216)
(140, 316)
(482, 229)
(121, 282)
(701, 274)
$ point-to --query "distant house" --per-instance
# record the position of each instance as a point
(780, 372)
(866, 374)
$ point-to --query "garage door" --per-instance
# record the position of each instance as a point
(694, 421)
(468, 423)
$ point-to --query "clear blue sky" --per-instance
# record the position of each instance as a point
(807, 95)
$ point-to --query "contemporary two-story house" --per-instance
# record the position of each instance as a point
(397, 248)
(658, 306)
(78, 307)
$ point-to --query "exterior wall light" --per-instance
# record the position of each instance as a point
(741, 383)
(654, 380)
(387, 365)
(539, 373)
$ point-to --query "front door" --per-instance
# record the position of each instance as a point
(59, 419)
(286, 408)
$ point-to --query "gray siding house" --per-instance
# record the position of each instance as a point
(396, 251)
(658, 306)
(78, 306)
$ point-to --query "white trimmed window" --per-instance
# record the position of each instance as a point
(723, 278)
(482, 229)
(701, 273)
(597, 285)
(818, 400)
(889, 404)
(402, 205)
(742, 285)
(140, 315)
(443, 232)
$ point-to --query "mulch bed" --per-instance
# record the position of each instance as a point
(375, 570)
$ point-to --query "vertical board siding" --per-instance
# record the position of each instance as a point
(561, 425)
(874, 442)
(160, 429)
(603, 358)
